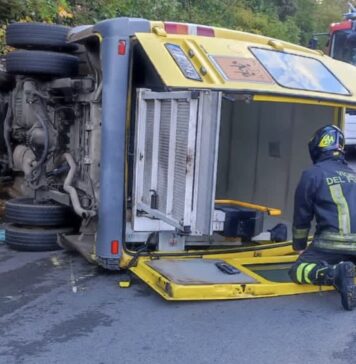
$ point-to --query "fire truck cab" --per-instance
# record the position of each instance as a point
(342, 46)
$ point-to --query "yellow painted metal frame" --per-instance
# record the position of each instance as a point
(264, 288)
(305, 101)
(269, 210)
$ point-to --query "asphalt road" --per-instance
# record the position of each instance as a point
(56, 308)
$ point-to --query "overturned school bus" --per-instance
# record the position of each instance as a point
(164, 148)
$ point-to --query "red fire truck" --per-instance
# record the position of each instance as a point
(342, 46)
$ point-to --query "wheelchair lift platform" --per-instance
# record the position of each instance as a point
(247, 274)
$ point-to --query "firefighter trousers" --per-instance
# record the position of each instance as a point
(311, 261)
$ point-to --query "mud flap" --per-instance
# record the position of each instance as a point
(201, 278)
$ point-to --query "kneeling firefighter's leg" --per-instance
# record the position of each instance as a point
(312, 273)
(340, 275)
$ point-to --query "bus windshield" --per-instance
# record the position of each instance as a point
(343, 46)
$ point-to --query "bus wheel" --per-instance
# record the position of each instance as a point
(39, 36)
(33, 238)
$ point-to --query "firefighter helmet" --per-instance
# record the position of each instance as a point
(327, 139)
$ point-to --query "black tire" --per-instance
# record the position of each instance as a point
(42, 63)
(39, 36)
(7, 81)
(24, 211)
(33, 239)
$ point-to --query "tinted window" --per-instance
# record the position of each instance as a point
(297, 72)
(343, 46)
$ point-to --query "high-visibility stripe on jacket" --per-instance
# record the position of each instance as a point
(326, 191)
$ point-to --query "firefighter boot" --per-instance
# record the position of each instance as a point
(344, 284)
(341, 276)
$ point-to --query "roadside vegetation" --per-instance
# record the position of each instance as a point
(291, 20)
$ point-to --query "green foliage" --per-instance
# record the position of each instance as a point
(291, 20)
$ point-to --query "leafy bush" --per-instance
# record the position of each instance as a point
(291, 20)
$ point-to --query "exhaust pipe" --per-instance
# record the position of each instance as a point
(72, 191)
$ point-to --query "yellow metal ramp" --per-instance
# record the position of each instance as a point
(200, 278)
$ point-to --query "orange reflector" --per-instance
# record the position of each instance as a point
(121, 48)
(115, 247)
(175, 28)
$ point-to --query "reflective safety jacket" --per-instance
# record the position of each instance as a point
(326, 191)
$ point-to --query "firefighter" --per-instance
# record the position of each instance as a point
(326, 192)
